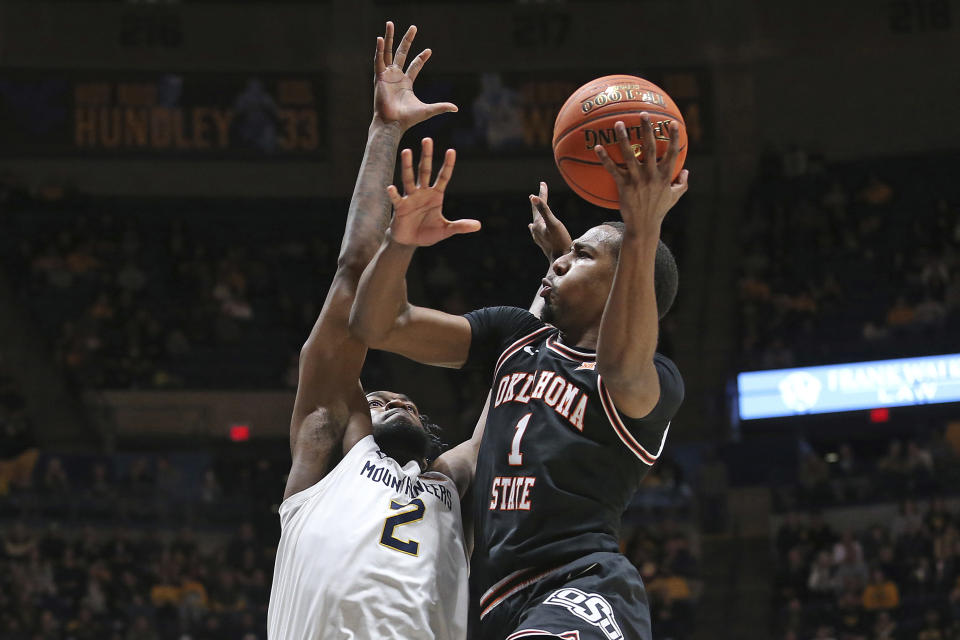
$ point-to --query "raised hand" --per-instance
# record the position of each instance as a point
(418, 215)
(548, 232)
(393, 97)
(645, 186)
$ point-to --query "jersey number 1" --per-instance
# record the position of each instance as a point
(412, 512)
(516, 458)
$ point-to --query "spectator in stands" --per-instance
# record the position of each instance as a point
(901, 314)
(814, 477)
(851, 571)
(55, 479)
(792, 579)
(938, 519)
(876, 192)
(885, 627)
(791, 533)
(821, 579)
(194, 602)
(932, 629)
(211, 491)
(18, 448)
(820, 533)
(880, 593)
(893, 467)
(141, 629)
(825, 632)
(850, 620)
(919, 462)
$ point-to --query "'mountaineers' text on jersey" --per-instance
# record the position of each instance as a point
(374, 550)
(558, 464)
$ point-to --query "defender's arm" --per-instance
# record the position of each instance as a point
(330, 412)
(382, 316)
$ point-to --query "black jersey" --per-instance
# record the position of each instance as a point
(558, 463)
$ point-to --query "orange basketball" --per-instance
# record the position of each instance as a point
(586, 119)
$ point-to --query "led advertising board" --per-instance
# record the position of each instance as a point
(848, 387)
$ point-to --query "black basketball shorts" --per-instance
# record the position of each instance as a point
(597, 597)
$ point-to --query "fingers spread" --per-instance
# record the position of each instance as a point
(446, 171)
(440, 107)
(623, 141)
(394, 195)
(378, 66)
(426, 161)
(388, 45)
(649, 145)
(463, 226)
(608, 163)
(404, 47)
(682, 184)
(406, 171)
(670, 158)
(534, 209)
(413, 70)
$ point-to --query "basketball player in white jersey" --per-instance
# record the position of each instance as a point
(372, 544)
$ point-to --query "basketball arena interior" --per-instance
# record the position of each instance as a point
(174, 180)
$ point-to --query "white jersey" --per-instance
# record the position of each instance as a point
(374, 550)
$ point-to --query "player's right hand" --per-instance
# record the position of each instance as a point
(418, 215)
(645, 186)
(393, 99)
(548, 232)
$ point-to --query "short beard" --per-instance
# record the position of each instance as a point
(402, 440)
(548, 314)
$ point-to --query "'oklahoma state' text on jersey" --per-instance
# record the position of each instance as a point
(558, 463)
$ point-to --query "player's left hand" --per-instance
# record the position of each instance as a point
(548, 232)
(393, 97)
(645, 187)
(418, 215)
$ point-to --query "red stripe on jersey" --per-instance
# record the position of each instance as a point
(526, 633)
(571, 354)
(622, 432)
(516, 346)
(492, 598)
(540, 633)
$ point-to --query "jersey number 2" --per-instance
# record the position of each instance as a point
(516, 458)
(412, 512)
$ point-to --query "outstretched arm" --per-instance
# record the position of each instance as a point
(382, 316)
(330, 412)
(628, 330)
(460, 462)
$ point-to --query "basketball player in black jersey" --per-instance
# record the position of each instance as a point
(580, 407)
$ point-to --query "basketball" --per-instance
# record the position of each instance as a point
(587, 118)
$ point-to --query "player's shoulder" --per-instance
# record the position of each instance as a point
(669, 374)
(364, 452)
(672, 388)
(505, 317)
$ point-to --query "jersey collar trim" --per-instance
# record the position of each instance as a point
(570, 353)
(516, 346)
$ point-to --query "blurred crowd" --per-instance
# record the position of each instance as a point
(895, 579)
(844, 262)
(180, 546)
(161, 295)
(668, 560)
(874, 469)
(132, 547)
(18, 446)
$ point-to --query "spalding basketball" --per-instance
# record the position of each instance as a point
(586, 119)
